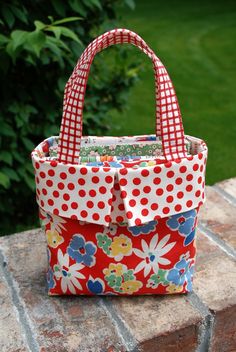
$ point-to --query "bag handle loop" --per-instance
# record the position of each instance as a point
(168, 117)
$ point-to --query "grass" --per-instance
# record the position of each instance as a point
(196, 42)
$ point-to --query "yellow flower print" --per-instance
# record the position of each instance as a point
(53, 238)
(115, 269)
(131, 286)
(151, 163)
(174, 289)
(120, 246)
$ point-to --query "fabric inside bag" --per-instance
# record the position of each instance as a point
(112, 149)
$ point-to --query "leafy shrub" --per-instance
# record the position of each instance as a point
(40, 42)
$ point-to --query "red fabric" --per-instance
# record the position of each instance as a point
(168, 117)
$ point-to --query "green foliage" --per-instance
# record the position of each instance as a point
(196, 43)
(40, 43)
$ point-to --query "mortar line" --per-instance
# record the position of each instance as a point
(23, 318)
(206, 327)
(228, 197)
(217, 240)
(122, 329)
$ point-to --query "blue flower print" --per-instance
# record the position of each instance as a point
(82, 251)
(123, 157)
(185, 224)
(50, 278)
(94, 163)
(48, 255)
(50, 141)
(143, 229)
(182, 273)
(95, 286)
(115, 164)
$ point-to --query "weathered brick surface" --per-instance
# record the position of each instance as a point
(215, 285)
(224, 331)
(218, 215)
(11, 339)
(120, 324)
(160, 323)
(228, 186)
(183, 340)
(215, 276)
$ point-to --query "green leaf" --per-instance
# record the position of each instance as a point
(59, 7)
(27, 143)
(36, 41)
(19, 121)
(96, 3)
(30, 60)
(29, 168)
(92, 3)
(66, 32)
(8, 15)
(78, 7)
(29, 181)
(4, 180)
(51, 19)
(55, 30)
(22, 113)
(62, 45)
(20, 14)
(61, 83)
(31, 109)
(3, 39)
(55, 47)
(18, 38)
(6, 157)
(67, 19)
(39, 25)
(18, 156)
(11, 52)
(6, 130)
(130, 3)
(52, 44)
(11, 174)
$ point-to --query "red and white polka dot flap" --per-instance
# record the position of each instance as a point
(108, 194)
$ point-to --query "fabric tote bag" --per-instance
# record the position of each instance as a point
(120, 213)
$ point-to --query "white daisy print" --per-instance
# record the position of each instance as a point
(69, 274)
(153, 254)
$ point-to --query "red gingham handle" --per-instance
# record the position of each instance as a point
(168, 117)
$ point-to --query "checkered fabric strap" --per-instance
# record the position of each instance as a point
(168, 117)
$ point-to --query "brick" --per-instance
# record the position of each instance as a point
(215, 285)
(228, 186)
(62, 324)
(11, 339)
(224, 331)
(158, 323)
(218, 215)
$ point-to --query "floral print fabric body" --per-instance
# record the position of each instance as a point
(90, 259)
